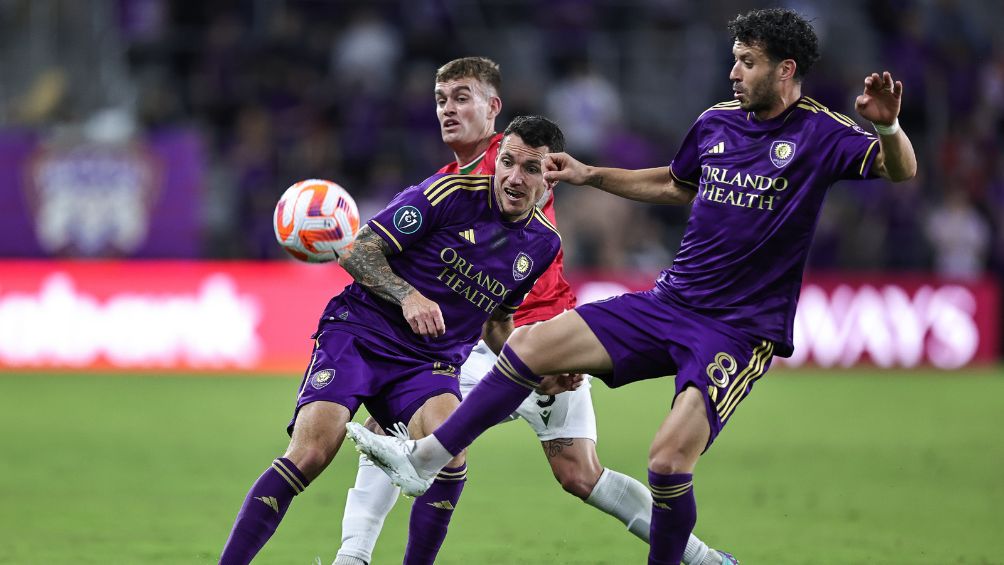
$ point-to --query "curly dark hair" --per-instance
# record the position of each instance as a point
(782, 34)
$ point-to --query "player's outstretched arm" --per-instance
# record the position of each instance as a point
(655, 186)
(879, 104)
(497, 329)
(367, 263)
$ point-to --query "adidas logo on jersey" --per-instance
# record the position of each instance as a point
(718, 148)
(442, 505)
(468, 235)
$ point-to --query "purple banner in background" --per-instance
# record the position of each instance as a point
(87, 199)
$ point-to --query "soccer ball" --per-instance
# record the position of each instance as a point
(316, 220)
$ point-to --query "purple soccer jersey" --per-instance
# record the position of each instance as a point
(760, 186)
(450, 241)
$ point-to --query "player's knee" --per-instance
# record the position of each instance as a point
(310, 458)
(670, 461)
(576, 483)
(520, 340)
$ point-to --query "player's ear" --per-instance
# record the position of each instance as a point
(495, 105)
(787, 69)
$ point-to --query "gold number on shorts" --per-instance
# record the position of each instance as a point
(724, 365)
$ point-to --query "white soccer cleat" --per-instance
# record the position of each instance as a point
(391, 455)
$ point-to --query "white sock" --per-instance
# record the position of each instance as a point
(348, 560)
(429, 456)
(623, 498)
(630, 501)
(698, 553)
(366, 507)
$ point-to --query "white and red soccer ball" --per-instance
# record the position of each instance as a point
(316, 220)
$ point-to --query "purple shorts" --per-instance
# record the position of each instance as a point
(352, 370)
(648, 337)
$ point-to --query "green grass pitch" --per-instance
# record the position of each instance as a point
(855, 467)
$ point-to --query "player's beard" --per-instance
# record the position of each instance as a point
(760, 96)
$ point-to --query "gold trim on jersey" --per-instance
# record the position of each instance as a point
(508, 308)
(864, 161)
(449, 184)
(390, 235)
(310, 369)
(537, 213)
(727, 105)
(815, 107)
(761, 355)
(291, 478)
(672, 173)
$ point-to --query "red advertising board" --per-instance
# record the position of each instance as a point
(259, 316)
(162, 314)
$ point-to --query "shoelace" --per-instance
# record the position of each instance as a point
(400, 431)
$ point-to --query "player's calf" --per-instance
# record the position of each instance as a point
(431, 514)
(264, 507)
(574, 464)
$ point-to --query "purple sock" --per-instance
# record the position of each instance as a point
(674, 514)
(430, 516)
(263, 509)
(497, 396)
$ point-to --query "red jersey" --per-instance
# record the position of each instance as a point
(551, 295)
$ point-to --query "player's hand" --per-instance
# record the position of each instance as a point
(880, 101)
(556, 384)
(423, 315)
(563, 167)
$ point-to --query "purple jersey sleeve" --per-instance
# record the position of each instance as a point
(686, 165)
(853, 152)
(408, 217)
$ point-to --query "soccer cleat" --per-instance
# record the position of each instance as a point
(391, 455)
(727, 558)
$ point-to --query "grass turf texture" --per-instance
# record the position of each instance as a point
(834, 468)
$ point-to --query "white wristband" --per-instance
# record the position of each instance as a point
(890, 129)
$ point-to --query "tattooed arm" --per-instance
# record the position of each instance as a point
(367, 262)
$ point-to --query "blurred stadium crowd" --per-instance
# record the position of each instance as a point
(282, 90)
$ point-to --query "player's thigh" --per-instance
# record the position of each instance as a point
(682, 436)
(317, 436)
(431, 415)
(563, 344)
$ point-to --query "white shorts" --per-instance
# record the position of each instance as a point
(566, 415)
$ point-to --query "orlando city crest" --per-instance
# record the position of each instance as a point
(521, 266)
(781, 153)
(321, 379)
